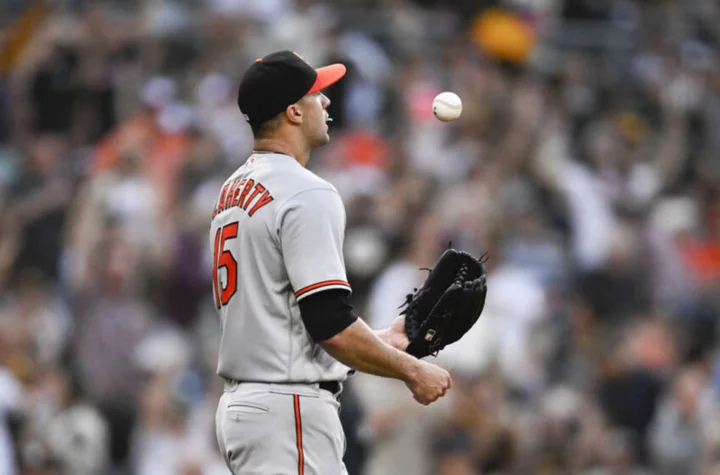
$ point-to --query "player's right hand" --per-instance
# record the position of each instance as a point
(429, 382)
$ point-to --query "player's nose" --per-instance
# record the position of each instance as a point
(325, 101)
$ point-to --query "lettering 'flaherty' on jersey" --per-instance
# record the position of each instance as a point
(311, 228)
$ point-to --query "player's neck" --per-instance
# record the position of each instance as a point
(299, 153)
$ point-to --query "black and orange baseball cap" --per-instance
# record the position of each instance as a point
(280, 79)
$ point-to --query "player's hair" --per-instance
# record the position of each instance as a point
(264, 129)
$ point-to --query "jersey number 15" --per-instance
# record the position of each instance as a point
(224, 258)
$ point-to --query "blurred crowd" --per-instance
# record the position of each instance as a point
(586, 164)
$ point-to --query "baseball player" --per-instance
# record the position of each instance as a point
(289, 336)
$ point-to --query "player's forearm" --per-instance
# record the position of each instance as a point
(391, 338)
(362, 349)
(384, 336)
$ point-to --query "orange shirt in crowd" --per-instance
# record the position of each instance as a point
(162, 154)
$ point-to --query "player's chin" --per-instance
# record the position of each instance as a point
(323, 138)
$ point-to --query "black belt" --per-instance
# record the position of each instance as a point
(332, 386)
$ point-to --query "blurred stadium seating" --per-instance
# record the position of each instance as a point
(586, 163)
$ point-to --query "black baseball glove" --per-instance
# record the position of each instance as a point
(447, 305)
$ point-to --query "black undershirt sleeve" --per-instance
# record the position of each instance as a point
(326, 313)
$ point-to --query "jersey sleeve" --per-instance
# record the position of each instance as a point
(311, 230)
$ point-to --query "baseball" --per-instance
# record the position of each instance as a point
(447, 106)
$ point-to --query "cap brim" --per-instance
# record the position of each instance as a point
(327, 76)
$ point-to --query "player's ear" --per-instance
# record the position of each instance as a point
(294, 113)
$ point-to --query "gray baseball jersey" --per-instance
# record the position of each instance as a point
(277, 237)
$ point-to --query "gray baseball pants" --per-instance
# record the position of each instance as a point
(280, 429)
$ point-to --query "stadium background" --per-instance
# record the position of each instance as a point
(587, 163)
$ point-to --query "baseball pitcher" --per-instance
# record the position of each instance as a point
(289, 336)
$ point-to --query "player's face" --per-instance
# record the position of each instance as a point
(315, 118)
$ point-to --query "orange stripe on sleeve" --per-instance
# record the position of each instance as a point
(298, 435)
(325, 283)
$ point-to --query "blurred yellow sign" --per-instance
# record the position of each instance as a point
(503, 35)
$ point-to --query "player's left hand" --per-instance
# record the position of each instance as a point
(396, 336)
(447, 305)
